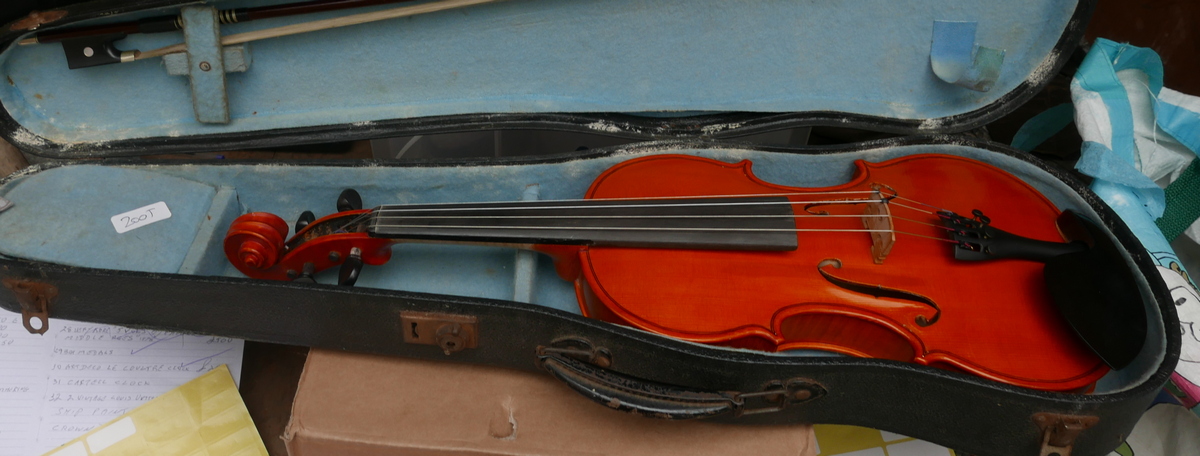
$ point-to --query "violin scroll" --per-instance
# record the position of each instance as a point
(258, 246)
(256, 240)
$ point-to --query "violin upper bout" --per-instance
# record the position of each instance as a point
(678, 175)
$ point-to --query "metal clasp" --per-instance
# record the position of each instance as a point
(454, 333)
(1060, 431)
(777, 396)
(580, 349)
(35, 299)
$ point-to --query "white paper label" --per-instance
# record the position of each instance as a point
(111, 434)
(140, 217)
(76, 449)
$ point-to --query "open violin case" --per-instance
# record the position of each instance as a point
(680, 77)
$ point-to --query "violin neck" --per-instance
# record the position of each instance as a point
(700, 223)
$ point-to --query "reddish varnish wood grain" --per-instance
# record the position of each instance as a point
(997, 319)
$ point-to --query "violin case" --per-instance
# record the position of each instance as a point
(681, 77)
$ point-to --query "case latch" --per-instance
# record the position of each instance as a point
(454, 333)
(1060, 431)
(35, 299)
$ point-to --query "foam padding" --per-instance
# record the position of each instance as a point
(63, 216)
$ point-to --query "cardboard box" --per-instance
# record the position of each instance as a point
(352, 404)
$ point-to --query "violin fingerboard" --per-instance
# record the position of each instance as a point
(752, 223)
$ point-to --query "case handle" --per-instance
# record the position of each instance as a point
(657, 400)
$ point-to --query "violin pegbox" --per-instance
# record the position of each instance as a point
(258, 246)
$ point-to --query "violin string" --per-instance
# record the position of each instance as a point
(361, 217)
(940, 227)
(393, 208)
(636, 216)
(912, 208)
(643, 198)
(923, 204)
(384, 209)
(377, 218)
(650, 228)
(919, 222)
(720, 216)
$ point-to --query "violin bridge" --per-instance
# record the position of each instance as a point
(878, 221)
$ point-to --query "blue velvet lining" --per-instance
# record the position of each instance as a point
(535, 56)
(65, 218)
(61, 215)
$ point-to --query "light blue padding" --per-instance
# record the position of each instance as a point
(1041, 127)
(456, 270)
(1181, 123)
(1098, 73)
(525, 264)
(532, 56)
(1097, 160)
(957, 60)
(206, 253)
(63, 216)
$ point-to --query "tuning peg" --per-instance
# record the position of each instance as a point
(305, 218)
(307, 274)
(350, 269)
(349, 200)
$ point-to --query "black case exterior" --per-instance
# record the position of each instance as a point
(960, 411)
(956, 410)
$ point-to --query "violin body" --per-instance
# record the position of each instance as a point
(996, 319)
(829, 281)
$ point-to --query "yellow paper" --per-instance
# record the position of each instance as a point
(205, 416)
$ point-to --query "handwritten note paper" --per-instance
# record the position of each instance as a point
(59, 385)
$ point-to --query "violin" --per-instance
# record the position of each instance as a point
(883, 266)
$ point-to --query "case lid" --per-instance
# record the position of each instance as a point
(669, 65)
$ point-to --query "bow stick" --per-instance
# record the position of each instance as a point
(295, 29)
(161, 24)
(119, 56)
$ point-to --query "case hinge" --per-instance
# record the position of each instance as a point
(35, 299)
(1060, 431)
